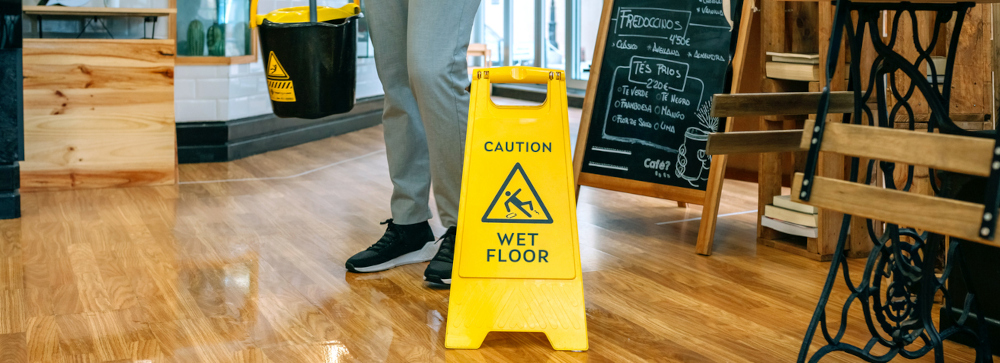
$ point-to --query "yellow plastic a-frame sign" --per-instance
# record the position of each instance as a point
(517, 257)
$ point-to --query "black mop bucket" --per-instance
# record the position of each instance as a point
(310, 58)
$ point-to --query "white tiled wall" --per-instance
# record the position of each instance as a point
(198, 92)
(222, 93)
(248, 91)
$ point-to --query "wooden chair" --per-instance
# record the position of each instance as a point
(479, 50)
(769, 143)
(961, 154)
(768, 104)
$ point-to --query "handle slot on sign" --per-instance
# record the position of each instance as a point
(519, 75)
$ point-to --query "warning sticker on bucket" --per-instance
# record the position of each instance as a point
(274, 68)
(281, 91)
(278, 83)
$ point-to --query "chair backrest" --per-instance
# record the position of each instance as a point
(477, 49)
(960, 154)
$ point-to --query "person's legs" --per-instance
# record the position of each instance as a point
(408, 238)
(437, 39)
(405, 140)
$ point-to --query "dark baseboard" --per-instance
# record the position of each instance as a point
(536, 93)
(220, 141)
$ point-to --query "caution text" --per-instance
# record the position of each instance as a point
(518, 146)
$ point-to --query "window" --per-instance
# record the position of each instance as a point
(558, 34)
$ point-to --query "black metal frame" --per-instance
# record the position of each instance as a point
(898, 318)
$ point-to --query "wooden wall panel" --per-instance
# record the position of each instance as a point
(972, 87)
(98, 113)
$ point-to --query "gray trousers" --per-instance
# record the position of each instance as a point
(420, 50)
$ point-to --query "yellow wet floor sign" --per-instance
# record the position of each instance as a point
(279, 84)
(517, 257)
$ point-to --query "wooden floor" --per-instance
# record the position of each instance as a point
(244, 262)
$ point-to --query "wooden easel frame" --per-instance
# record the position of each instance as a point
(709, 198)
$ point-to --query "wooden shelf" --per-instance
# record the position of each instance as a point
(212, 60)
(96, 11)
(98, 41)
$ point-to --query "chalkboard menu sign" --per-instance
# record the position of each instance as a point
(649, 117)
(646, 118)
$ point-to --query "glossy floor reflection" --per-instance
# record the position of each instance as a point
(243, 262)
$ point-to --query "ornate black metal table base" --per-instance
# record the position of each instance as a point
(897, 289)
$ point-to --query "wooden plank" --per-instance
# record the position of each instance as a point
(962, 154)
(754, 142)
(926, 1)
(98, 113)
(803, 20)
(971, 86)
(768, 182)
(782, 244)
(172, 20)
(859, 245)
(203, 60)
(97, 11)
(717, 172)
(904, 46)
(965, 125)
(692, 196)
(939, 215)
(775, 39)
(956, 117)
(994, 57)
(784, 103)
(14, 348)
(830, 165)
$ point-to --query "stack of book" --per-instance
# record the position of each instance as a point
(792, 66)
(786, 216)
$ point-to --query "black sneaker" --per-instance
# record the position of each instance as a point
(400, 245)
(439, 270)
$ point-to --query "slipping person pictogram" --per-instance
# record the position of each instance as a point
(274, 68)
(514, 201)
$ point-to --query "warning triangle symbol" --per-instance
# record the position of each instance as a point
(274, 68)
(517, 201)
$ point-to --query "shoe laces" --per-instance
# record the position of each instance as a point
(392, 234)
(446, 252)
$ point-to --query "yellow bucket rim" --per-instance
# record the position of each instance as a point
(300, 14)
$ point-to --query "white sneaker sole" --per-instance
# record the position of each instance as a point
(423, 255)
(443, 281)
